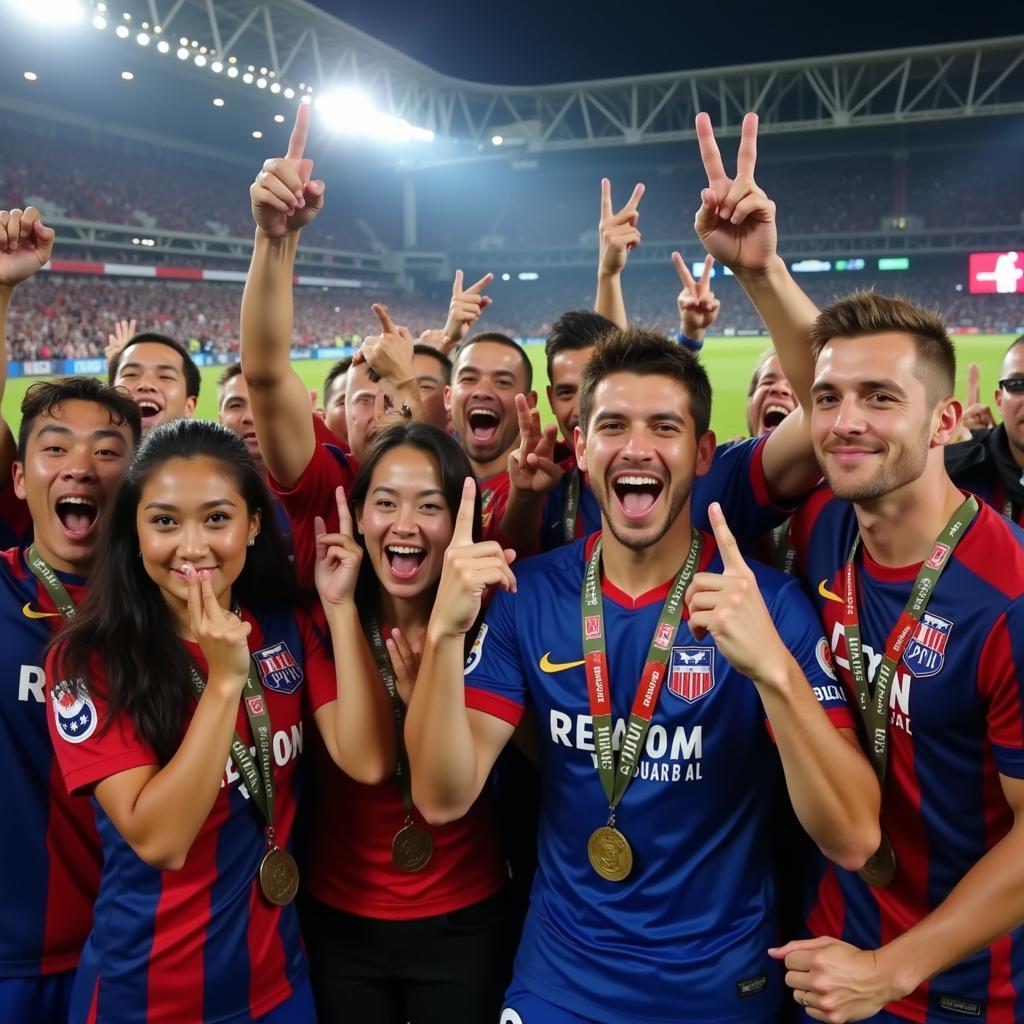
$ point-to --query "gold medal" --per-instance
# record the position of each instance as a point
(411, 848)
(279, 876)
(881, 865)
(609, 853)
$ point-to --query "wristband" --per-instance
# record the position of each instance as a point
(688, 343)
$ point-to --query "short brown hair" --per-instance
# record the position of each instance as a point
(866, 312)
(228, 374)
(647, 353)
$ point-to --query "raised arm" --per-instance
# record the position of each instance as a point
(25, 245)
(452, 748)
(619, 235)
(696, 302)
(466, 306)
(284, 199)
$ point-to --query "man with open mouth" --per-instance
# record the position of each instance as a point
(770, 398)
(159, 374)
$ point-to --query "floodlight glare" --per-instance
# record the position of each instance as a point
(275, 87)
(163, 46)
(52, 12)
(350, 112)
(122, 32)
(247, 78)
(127, 76)
(218, 102)
(99, 22)
(261, 83)
(232, 71)
(142, 39)
(257, 135)
(279, 118)
(289, 93)
(200, 61)
(216, 67)
(496, 140)
(182, 53)
(31, 76)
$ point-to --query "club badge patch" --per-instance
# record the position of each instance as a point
(926, 652)
(74, 712)
(477, 650)
(691, 672)
(278, 669)
(823, 655)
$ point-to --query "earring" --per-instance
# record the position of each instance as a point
(251, 541)
(140, 552)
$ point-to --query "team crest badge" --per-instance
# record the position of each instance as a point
(477, 650)
(664, 636)
(691, 672)
(938, 554)
(278, 669)
(926, 652)
(592, 627)
(73, 711)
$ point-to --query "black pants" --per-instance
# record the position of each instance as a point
(435, 970)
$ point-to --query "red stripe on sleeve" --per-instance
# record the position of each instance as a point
(494, 705)
(1000, 688)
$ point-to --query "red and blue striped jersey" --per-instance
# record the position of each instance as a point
(736, 479)
(51, 849)
(956, 724)
(685, 936)
(15, 520)
(200, 945)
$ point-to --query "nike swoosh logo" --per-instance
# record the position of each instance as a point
(547, 665)
(827, 594)
(30, 613)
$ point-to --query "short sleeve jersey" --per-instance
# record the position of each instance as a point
(200, 945)
(955, 724)
(736, 480)
(685, 935)
(15, 520)
(51, 851)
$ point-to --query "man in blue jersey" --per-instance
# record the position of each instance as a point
(653, 896)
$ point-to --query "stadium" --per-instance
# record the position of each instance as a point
(329, 576)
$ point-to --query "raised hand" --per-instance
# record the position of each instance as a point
(736, 219)
(338, 557)
(729, 606)
(977, 415)
(530, 466)
(124, 331)
(25, 245)
(222, 636)
(283, 196)
(389, 354)
(466, 306)
(469, 569)
(618, 231)
(698, 307)
(405, 661)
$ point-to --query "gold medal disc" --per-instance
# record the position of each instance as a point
(881, 866)
(279, 876)
(609, 853)
(411, 848)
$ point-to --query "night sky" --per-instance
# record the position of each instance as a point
(529, 42)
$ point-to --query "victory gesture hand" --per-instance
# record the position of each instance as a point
(465, 309)
(25, 245)
(338, 557)
(736, 219)
(530, 466)
(698, 307)
(469, 569)
(283, 197)
(729, 606)
(618, 231)
(222, 636)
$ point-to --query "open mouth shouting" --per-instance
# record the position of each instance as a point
(637, 494)
(77, 515)
(150, 411)
(483, 423)
(404, 560)
(772, 415)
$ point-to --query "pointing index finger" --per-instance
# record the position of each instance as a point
(384, 316)
(457, 283)
(606, 198)
(463, 532)
(297, 141)
(732, 560)
(344, 515)
(973, 384)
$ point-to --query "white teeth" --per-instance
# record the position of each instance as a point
(638, 481)
(397, 549)
(777, 408)
(87, 502)
(148, 408)
(484, 412)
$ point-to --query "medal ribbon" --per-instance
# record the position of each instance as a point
(874, 709)
(259, 780)
(615, 778)
(57, 591)
(380, 653)
(572, 505)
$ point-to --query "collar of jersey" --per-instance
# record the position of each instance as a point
(658, 593)
(70, 578)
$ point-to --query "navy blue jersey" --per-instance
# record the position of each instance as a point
(955, 725)
(685, 937)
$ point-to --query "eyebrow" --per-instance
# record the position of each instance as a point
(96, 435)
(206, 505)
(674, 417)
(136, 365)
(468, 368)
(885, 384)
(419, 494)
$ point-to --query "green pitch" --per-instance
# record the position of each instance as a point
(729, 362)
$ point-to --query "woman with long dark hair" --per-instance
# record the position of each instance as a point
(406, 922)
(178, 696)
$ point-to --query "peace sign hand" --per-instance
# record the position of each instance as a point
(736, 219)
(729, 606)
(530, 466)
(222, 636)
(466, 306)
(283, 197)
(698, 307)
(618, 231)
(338, 557)
(26, 244)
(469, 569)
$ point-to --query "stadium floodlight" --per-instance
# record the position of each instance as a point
(216, 67)
(127, 76)
(496, 140)
(99, 22)
(247, 78)
(275, 87)
(261, 83)
(506, 277)
(182, 53)
(279, 118)
(122, 31)
(163, 46)
(257, 134)
(289, 93)
(350, 112)
(31, 76)
(53, 13)
(232, 71)
(218, 102)
(142, 39)
(528, 275)
(200, 61)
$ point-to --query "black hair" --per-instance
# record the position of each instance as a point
(45, 398)
(498, 339)
(453, 467)
(435, 353)
(337, 370)
(579, 328)
(188, 367)
(124, 620)
(228, 374)
(647, 353)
